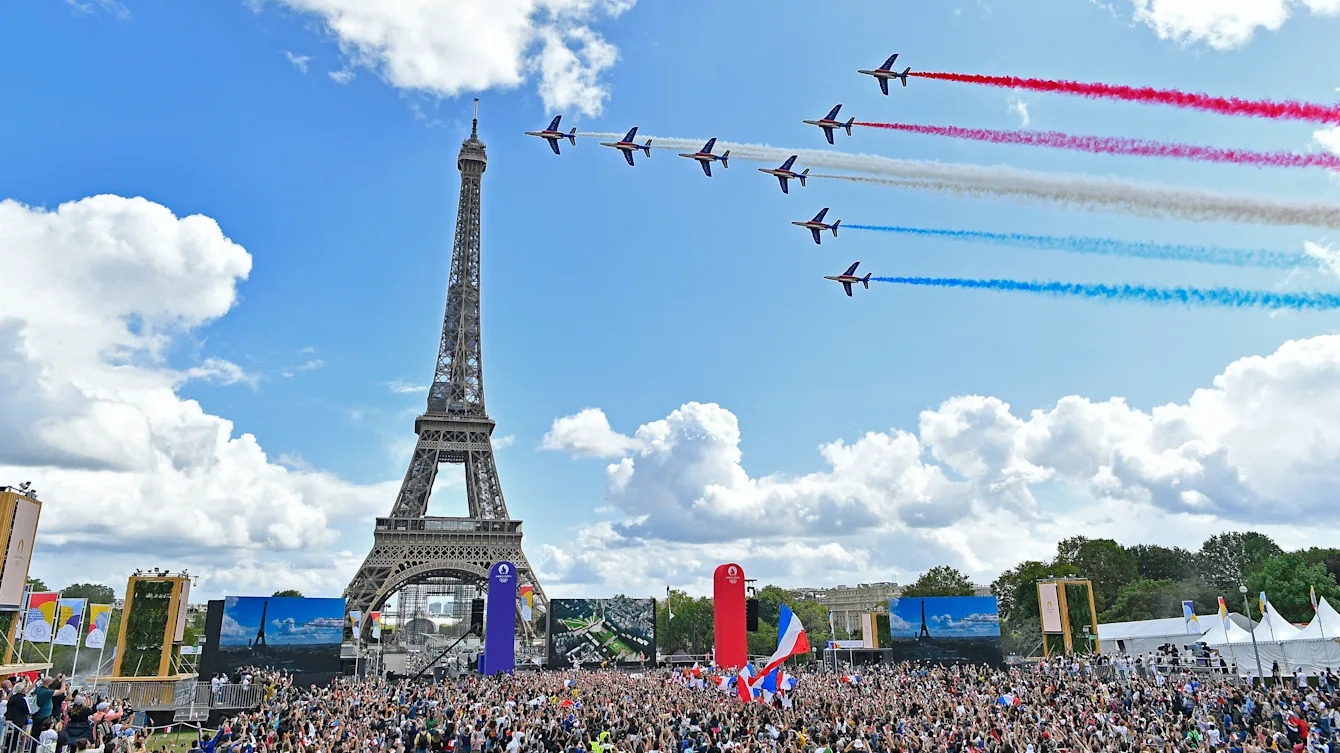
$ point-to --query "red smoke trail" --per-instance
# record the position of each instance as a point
(1223, 105)
(1115, 145)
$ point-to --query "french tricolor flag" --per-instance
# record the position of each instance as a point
(852, 679)
(791, 640)
(723, 682)
(747, 692)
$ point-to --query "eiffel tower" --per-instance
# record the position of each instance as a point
(410, 546)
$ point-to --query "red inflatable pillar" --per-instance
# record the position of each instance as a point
(732, 646)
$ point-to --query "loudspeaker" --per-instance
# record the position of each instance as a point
(477, 616)
(751, 615)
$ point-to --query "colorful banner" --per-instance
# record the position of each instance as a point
(356, 617)
(41, 614)
(20, 552)
(1189, 614)
(69, 621)
(99, 619)
(376, 618)
(500, 621)
(731, 642)
(527, 602)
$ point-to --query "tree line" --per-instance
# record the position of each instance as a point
(1139, 582)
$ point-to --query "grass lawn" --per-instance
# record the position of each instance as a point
(176, 742)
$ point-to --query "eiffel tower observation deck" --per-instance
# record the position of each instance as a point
(410, 547)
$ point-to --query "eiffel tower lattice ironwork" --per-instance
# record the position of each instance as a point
(410, 546)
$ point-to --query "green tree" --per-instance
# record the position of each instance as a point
(1226, 559)
(1154, 562)
(291, 592)
(770, 599)
(1286, 579)
(764, 640)
(96, 593)
(1328, 557)
(814, 616)
(691, 630)
(1016, 593)
(1144, 599)
(1103, 561)
(36, 585)
(941, 580)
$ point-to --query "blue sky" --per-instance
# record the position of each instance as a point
(649, 293)
(287, 620)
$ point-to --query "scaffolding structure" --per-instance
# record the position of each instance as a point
(417, 624)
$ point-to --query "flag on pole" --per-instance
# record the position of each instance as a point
(668, 610)
(1312, 596)
(1189, 614)
(791, 640)
(69, 621)
(356, 617)
(41, 616)
(99, 617)
(832, 629)
(1223, 615)
(1265, 613)
(527, 601)
(376, 618)
(747, 692)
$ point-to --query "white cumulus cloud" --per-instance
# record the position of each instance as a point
(1221, 24)
(1257, 448)
(89, 409)
(450, 48)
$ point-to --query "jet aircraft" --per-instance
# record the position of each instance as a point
(705, 157)
(828, 123)
(848, 278)
(627, 146)
(785, 173)
(886, 72)
(553, 135)
(817, 224)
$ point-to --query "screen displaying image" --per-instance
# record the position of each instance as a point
(949, 629)
(295, 634)
(601, 631)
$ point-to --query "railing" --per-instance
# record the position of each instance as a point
(229, 696)
(160, 696)
(15, 740)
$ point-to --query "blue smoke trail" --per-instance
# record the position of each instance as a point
(1226, 297)
(1232, 257)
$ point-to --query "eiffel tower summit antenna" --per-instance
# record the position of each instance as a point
(409, 546)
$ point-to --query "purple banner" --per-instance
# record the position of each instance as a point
(500, 621)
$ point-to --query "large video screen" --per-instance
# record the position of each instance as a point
(299, 635)
(601, 631)
(946, 629)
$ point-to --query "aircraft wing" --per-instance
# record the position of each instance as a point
(828, 134)
(847, 287)
(852, 268)
(553, 125)
(833, 112)
(884, 85)
(782, 180)
(553, 144)
(707, 167)
(628, 155)
(815, 231)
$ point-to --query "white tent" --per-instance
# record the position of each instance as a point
(1312, 648)
(1144, 636)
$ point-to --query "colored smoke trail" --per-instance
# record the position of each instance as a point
(1222, 297)
(1118, 145)
(1231, 257)
(1260, 108)
(1000, 181)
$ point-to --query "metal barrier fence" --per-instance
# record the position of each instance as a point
(15, 740)
(185, 694)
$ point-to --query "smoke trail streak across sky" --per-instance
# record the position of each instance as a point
(1118, 145)
(1077, 190)
(1000, 181)
(1308, 111)
(1220, 297)
(1231, 257)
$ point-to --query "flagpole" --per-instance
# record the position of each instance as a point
(55, 618)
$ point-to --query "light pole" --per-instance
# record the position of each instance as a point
(1247, 605)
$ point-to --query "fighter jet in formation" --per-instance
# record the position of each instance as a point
(829, 122)
(553, 135)
(785, 173)
(628, 146)
(849, 277)
(817, 224)
(705, 157)
(886, 72)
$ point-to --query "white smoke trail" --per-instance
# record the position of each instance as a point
(1002, 181)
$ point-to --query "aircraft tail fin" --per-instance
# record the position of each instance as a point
(835, 227)
(850, 122)
(647, 148)
(903, 75)
(866, 280)
(803, 175)
(572, 136)
(725, 156)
